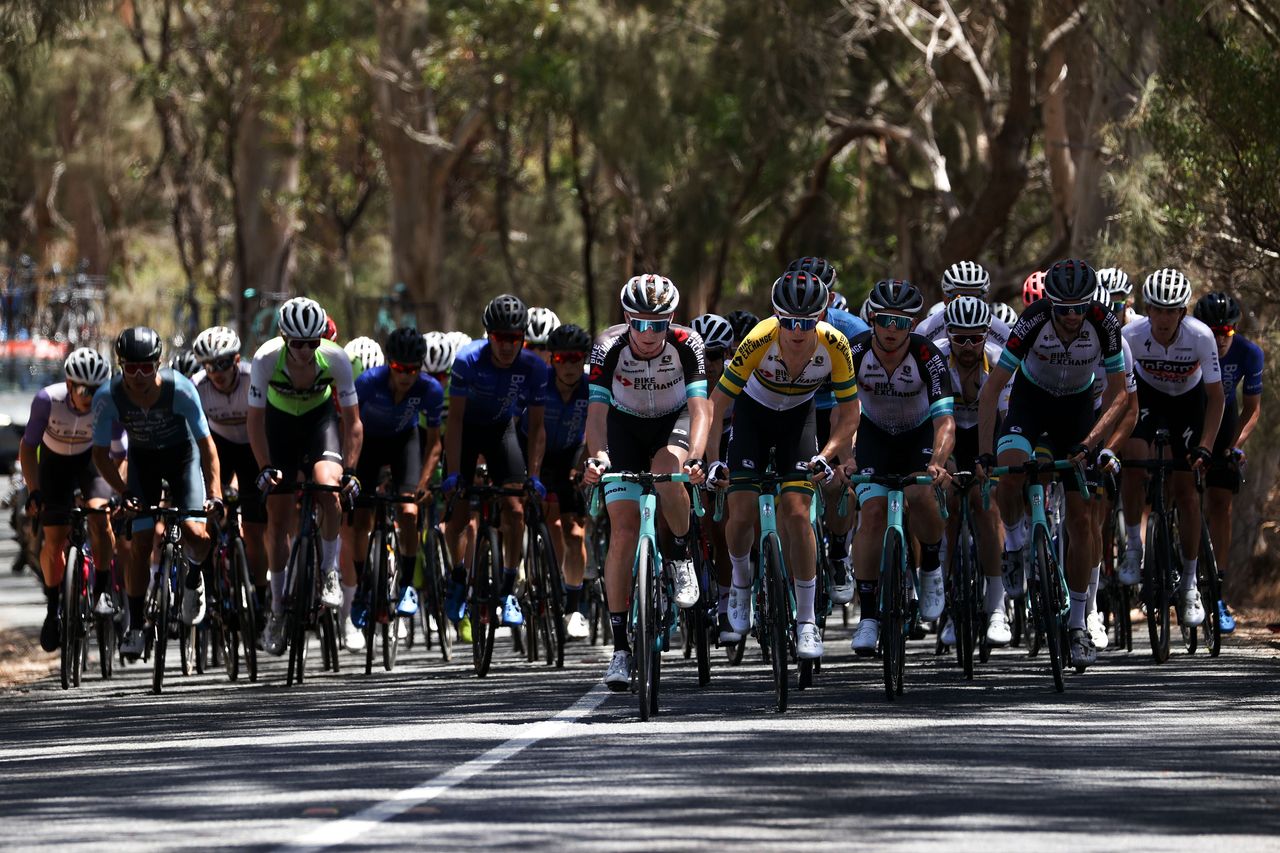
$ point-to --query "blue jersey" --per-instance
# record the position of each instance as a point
(1242, 365)
(495, 394)
(850, 326)
(175, 420)
(383, 417)
(565, 421)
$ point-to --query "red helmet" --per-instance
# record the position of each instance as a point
(1033, 288)
(331, 329)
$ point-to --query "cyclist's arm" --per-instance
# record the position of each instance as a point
(453, 434)
(989, 407)
(844, 423)
(944, 439)
(352, 436)
(699, 426)
(433, 458)
(256, 422)
(720, 403)
(30, 466)
(1250, 410)
(597, 431)
(211, 466)
(1128, 420)
(37, 421)
(537, 440)
(1115, 402)
(109, 468)
(1215, 404)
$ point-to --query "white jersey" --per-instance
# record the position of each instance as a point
(934, 327)
(271, 382)
(227, 413)
(1100, 381)
(1192, 356)
(966, 409)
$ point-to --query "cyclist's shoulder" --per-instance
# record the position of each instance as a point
(1249, 350)
(923, 348)
(269, 350)
(57, 392)
(332, 355)
(1198, 330)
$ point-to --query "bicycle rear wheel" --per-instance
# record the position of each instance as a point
(1210, 591)
(246, 609)
(894, 611)
(105, 628)
(390, 600)
(1156, 578)
(647, 657)
(1049, 599)
(160, 618)
(482, 608)
(69, 659)
(777, 611)
(551, 608)
(437, 570)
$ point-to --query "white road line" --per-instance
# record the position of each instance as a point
(337, 832)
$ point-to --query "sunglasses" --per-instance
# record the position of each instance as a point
(1117, 307)
(893, 321)
(968, 340)
(138, 368)
(311, 343)
(220, 364)
(650, 325)
(404, 366)
(506, 337)
(1078, 309)
(568, 357)
(86, 390)
(798, 324)
(1223, 331)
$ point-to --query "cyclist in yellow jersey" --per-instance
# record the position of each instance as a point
(780, 364)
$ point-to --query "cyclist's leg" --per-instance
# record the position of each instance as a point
(253, 512)
(406, 471)
(507, 466)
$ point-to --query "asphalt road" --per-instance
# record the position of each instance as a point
(1133, 756)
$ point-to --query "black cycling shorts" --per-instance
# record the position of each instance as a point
(401, 453)
(237, 461)
(1222, 473)
(632, 441)
(296, 443)
(557, 468)
(757, 429)
(60, 477)
(179, 466)
(1182, 416)
(822, 419)
(499, 445)
(881, 452)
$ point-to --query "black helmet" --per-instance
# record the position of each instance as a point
(1071, 280)
(742, 322)
(896, 295)
(800, 294)
(1218, 309)
(569, 338)
(406, 346)
(506, 314)
(141, 343)
(820, 267)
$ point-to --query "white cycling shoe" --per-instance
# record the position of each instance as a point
(740, 610)
(808, 641)
(933, 598)
(686, 583)
(865, 637)
(1191, 613)
(575, 626)
(354, 637)
(1130, 571)
(998, 631)
(841, 582)
(332, 594)
(1097, 630)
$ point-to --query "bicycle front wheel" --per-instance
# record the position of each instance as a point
(777, 613)
(482, 609)
(160, 619)
(894, 611)
(648, 658)
(69, 660)
(1049, 598)
(1158, 567)
(964, 576)
(246, 607)
(437, 571)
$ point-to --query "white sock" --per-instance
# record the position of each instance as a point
(348, 596)
(1093, 588)
(1078, 602)
(1133, 537)
(742, 574)
(995, 595)
(804, 599)
(1189, 574)
(277, 591)
(329, 554)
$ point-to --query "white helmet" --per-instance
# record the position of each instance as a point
(367, 351)
(965, 275)
(1166, 288)
(459, 339)
(936, 308)
(1102, 294)
(967, 312)
(215, 342)
(1005, 313)
(540, 324)
(302, 318)
(440, 352)
(1116, 281)
(87, 367)
(650, 294)
(865, 311)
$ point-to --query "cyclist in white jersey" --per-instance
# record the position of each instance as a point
(1179, 384)
(965, 278)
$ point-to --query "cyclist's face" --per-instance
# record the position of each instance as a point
(80, 396)
(1223, 339)
(649, 342)
(1165, 320)
(402, 381)
(569, 370)
(225, 378)
(504, 348)
(142, 375)
(715, 369)
(963, 347)
(890, 337)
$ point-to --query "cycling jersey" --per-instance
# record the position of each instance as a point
(1063, 367)
(270, 382)
(935, 329)
(227, 412)
(565, 421)
(59, 427)
(175, 420)
(1100, 375)
(901, 400)
(648, 387)
(759, 370)
(383, 417)
(850, 326)
(494, 394)
(1190, 357)
(1241, 366)
(965, 410)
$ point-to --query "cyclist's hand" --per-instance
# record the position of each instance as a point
(983, 465)
(132, 504)
(1078, 454)
(350, 485)
(536, 484)
(269, 478)
(696, 471)
(596, 466)
(1236, 456)
(1108, 461)
(821, 470)
(33, 503)
(215, 508)
(449, 484)
(941, 476)
(718, 475)
(1199, 458)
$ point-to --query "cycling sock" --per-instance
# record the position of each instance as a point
(348, 596)
(929, 556)
(101, 581)
(994, 595)
(741, 570)
(1093, 588)
(804, 599)
(459, 574)
(681, 549)
(838, 546)
(137, 613)
(508, 582)
(329, 554)
(1079, 600)
(1015, 535)
(358, 565)
(277, 591)
(572, 599)
(1189, 574)
(723, 607)
(868, 601)
(1133, 537)
(51, 599)
(618, 622)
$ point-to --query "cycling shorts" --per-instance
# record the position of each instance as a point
(557, 468)
(237, 460)
(401, 453)
(631, 442)
(499, 444)
(179, 467)
(295, 443)
(1181, 415)
(882, 452)
(60, 476)
(791, 435)
(1034, 412)
(1222, 473)
(822, 420)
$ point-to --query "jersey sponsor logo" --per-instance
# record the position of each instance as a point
(666, 359)
(651, 383)
(1169, 370)
(818, 360)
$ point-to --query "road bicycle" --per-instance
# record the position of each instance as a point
(304, 611)
(77, 604)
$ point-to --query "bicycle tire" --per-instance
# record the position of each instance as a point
(703, 611)
(1210, 583)
(226, 610)
(777, 611)
(964, 574)
(368, 591)
(329, 624)
(645, 644)
(1050, 609)
(246, 609)
(298, 608)
(160, 622)
(105, 629)
(391, 581)
(438, 565)
(69, 655)
(485, 586)
(531, 595)
(553, 603)
(893, 611)
(1158, 578)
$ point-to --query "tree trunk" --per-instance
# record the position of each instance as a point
(266, 169)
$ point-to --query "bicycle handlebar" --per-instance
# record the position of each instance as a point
(643, 479)
(898, 482)
(1034, 466)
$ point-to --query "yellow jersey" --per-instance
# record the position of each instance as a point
(757, 367)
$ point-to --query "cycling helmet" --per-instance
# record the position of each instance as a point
(405, 345)
(717, 334)
(506, 313)
(650, 294)
(303, 319)
(365, 351)
(87, 366)
(215, 342)
(569, 338)
(965, 275)
(1116, 281)
(800, 294)
(895, 295)
(742, 323)
(1033, 288)
(440, 352)
(1166, 288)
(1071, 280)
(541, 322)
(838, 301)
(967, 312)
(330, 330)
(1004, 313)
(459, 340)
(1218, 309)
(140, 343)
(1101, 294)
(185, 363)
(820, 267)
(864, 313)
(936, 308)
